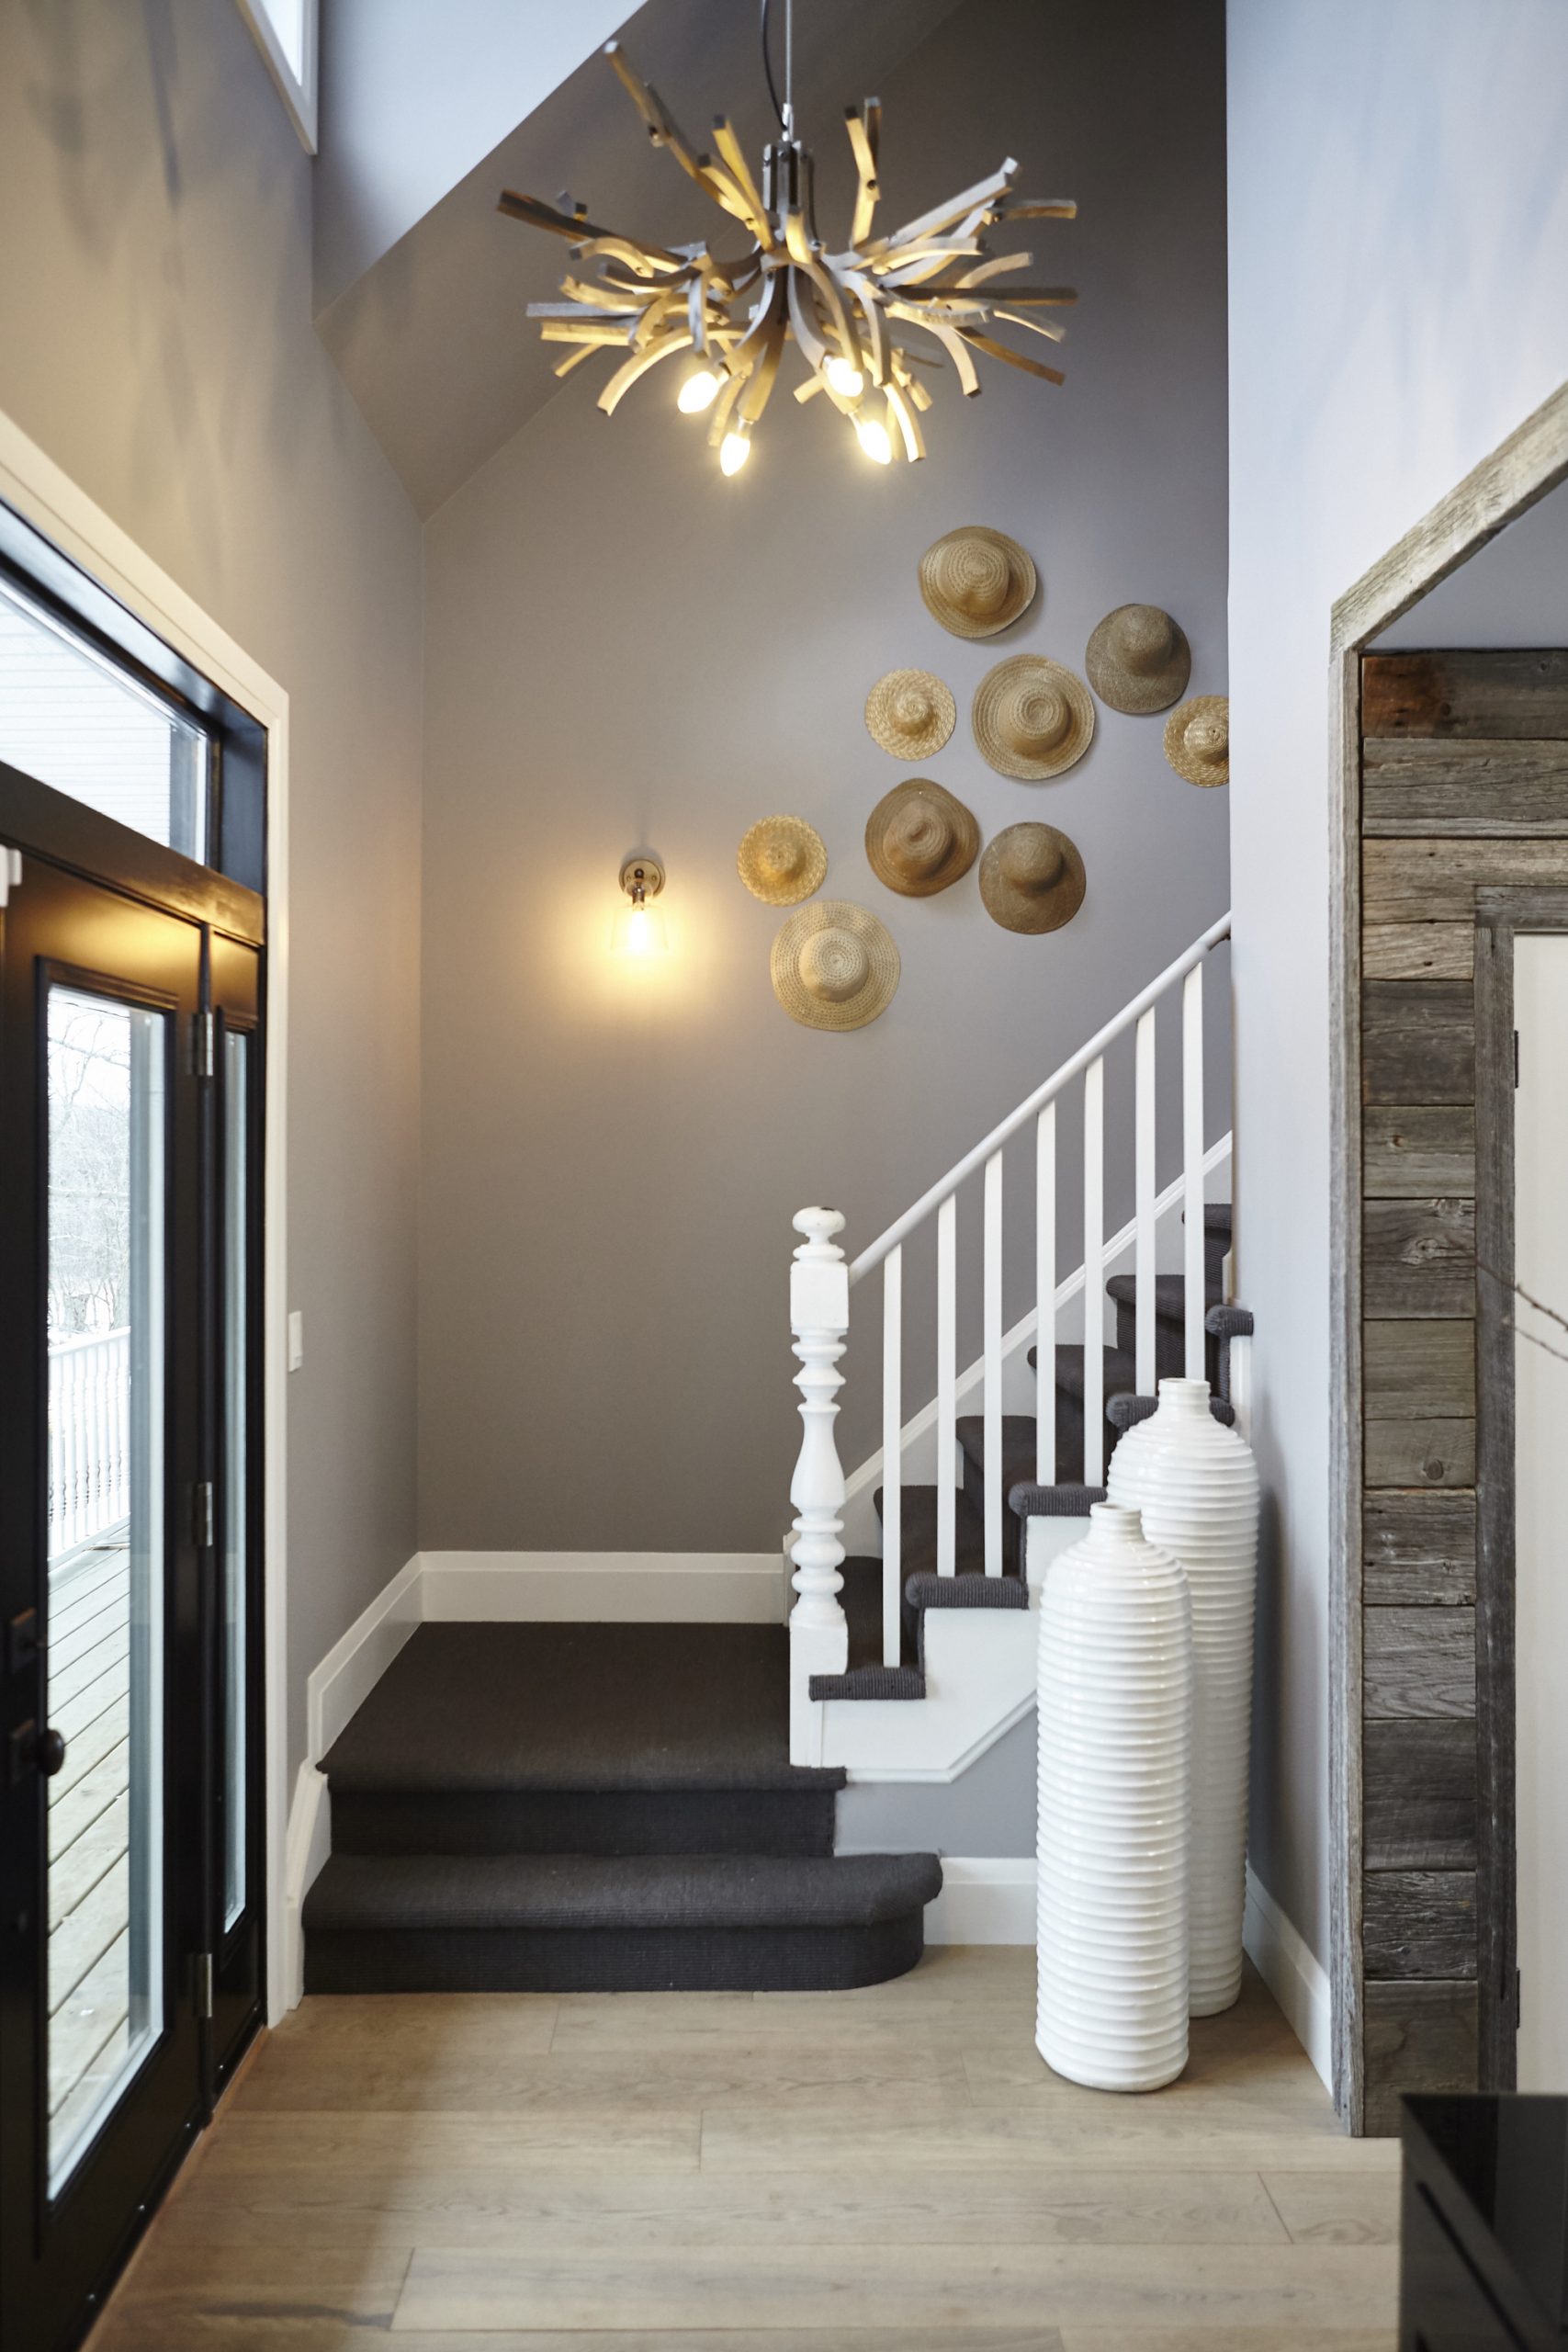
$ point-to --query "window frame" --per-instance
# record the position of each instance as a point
(299, 92)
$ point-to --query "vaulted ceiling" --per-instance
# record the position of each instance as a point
(432, 338)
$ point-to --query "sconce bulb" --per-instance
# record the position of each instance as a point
(734, 450)
(874, 439)
(699, 392)
(845, 377)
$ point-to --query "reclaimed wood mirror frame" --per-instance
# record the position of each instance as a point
(1530, 464)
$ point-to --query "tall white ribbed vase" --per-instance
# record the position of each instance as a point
(1196, 1484)
(1115, 1743)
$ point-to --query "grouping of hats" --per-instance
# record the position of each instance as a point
(835, 964)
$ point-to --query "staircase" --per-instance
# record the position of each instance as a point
(937, 1623)
(594, 1809)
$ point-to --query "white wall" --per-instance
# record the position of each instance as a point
(1514, 592)
(1398, 274)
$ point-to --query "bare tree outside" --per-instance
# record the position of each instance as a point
(89, 1165)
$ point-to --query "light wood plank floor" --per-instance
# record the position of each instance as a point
(891, 2170)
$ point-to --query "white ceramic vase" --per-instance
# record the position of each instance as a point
(1115, 1742)
(1196, 1485)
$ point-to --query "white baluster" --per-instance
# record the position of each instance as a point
(100, 1435)
(1045, 1297)
(1143, 1206)
(1193, 1166)
(892, 1455)
(819, 1315)
(993, 1373)
(946, 1385)
(1094, 1273)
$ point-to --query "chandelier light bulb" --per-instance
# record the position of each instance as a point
(874, 439)
(699, 392)
(844, 378)
(734, 450)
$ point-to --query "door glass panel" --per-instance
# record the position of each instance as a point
(107, 1275)
(236, 1133)
(78, 724)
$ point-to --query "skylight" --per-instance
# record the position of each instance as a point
(285, 32)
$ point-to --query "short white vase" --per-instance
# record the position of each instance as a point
(1196, 1485)
(1115, 1729)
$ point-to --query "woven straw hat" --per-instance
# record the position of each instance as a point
(1138, 660)
(910, 713)
(834, 966)
(1198, 740)
(781, 860)
(1031, 878)
(976, 582)
(1032, 717)
(919, 839)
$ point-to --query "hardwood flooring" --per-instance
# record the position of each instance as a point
(892, 2170)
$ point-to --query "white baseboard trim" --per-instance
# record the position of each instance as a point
(985, 1899)
(1292, 1972)
(604, 1587)
(309, 1843)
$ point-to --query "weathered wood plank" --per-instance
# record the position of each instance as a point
(1418, 1257)
(1420, 1789)
(1435, 881)
(1412, 1151)
(1456, 692)
(1420, 1453)
(1418, 1550)
(1419, 950)
(1419, 1923)
(1417, 1042)
(1419, 2038)
(1418, 1369)
(1419, 1662)
(1465, 788)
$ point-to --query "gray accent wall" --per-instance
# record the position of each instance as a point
(624, 650)
(1381, 161)
(155, 338)
(989, 1809)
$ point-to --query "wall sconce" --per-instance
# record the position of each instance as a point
(639, 928)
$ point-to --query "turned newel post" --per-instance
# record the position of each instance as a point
(820, 1316)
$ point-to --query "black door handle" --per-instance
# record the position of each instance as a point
(29, 1747)
(51, 1752)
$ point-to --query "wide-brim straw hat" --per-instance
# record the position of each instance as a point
(834, 966)
(1033, 719)
(1198, 740)
(976, 582)
(1031, 878)
(1138, 660)
(919, 839)
(910, 713)
(781, 860)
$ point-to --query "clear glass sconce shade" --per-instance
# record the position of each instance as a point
(640, 933)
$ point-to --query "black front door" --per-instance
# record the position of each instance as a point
(130, 1942)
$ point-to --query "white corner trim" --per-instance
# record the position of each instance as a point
(985, 1899)
(1292, 1972)
(309, 1844)
(355, 1663)
(605, 1588)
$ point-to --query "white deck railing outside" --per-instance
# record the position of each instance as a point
(89, 1437)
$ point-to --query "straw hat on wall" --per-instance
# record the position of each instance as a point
(910, 713)
(1033, 719)
(1198, 740)
(1138, 660)
(1031, 878)
(781, 860)
(976, 582)
(834, 966)
(919, 839)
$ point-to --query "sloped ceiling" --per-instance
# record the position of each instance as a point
(433, 341)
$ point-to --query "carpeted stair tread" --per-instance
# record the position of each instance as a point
(1121, 1369)
(866, 1675)
(498, 1708)
(919, 1533)
(1017, 1445)
(1170, 1294)
(457, 1893)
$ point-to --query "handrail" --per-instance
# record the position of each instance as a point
(871, 1258)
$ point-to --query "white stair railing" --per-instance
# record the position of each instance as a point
(89, 1432)
(820, 1288)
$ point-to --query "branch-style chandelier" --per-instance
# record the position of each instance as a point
(846, 312)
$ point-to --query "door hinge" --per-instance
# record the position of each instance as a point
(202, 1530)
(204, 1045)
(201, 1983)
(10, 873)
